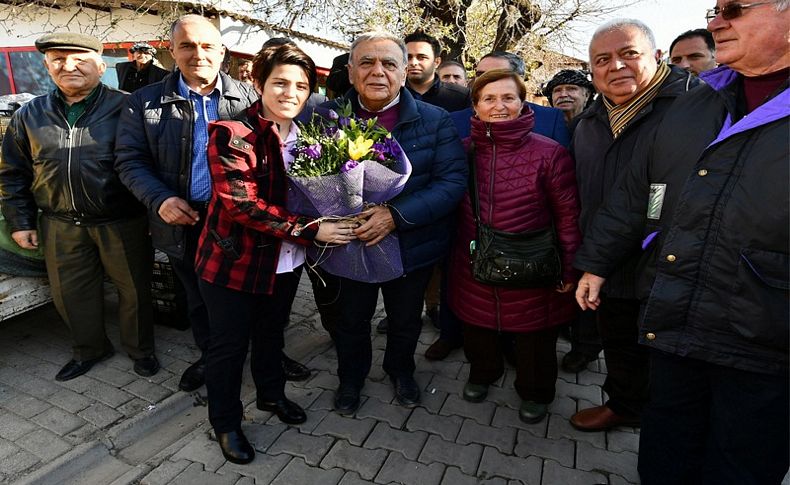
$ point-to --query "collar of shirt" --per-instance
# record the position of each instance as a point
(185, 91)
(74, 110)
(388, 106)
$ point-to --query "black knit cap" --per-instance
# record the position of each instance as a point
(568, 76)
(143, 47)
(69, 41)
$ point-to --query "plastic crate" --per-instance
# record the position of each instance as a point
(168, 295)
(163, 278)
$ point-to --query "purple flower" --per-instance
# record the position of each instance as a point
(344, 121)
(349, 165)
(379, 151)
(313, 151)
(393, 149)
(330, 130)
(332, 115)
(294, 151)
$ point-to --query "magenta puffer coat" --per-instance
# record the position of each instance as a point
(525, 182)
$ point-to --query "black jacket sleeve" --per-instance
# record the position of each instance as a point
(16, 177)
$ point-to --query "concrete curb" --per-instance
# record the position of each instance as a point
(66, 466)
(125, 433)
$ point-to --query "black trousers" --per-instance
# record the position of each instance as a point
(326, 292)
(450, 325)
(536, 360)
(236, 318)
(403, 298)
(584, 334)
(627, 362)
(184, 270)
(711, 425)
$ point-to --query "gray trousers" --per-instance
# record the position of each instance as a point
(77, 258)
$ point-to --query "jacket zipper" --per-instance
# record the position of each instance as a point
(491, 167)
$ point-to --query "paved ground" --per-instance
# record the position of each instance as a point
(112, 427)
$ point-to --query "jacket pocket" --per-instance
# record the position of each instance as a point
(760, 299)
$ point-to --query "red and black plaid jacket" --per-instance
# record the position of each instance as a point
(247, 219)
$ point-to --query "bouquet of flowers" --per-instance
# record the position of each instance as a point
(341, 165)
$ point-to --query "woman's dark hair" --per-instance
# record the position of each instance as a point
(494, 75)
(274, 55)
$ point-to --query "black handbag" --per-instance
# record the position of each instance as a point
(511, 259)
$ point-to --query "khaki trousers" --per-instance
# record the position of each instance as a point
(77, 258)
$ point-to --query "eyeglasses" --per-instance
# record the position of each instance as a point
(731, 10)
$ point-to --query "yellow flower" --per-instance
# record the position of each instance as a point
(359, 148)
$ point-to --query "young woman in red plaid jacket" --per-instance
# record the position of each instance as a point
(251, 249)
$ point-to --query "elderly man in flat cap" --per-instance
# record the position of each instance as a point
(141, 71)
(58, 159)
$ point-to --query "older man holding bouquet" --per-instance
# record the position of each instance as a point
(419, 216)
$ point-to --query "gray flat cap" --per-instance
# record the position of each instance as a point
(69, 41)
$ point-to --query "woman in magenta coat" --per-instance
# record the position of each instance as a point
(525, 182)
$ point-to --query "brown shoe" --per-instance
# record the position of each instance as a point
(440, 349)
(601, 418)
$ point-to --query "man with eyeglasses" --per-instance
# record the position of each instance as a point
(707, 198)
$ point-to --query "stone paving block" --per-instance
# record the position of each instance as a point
(82, 434)
(407, 443)
(406, 472)
(111, 375)
(44, 444)
(304, 397)
(323, 380)
(69, 400)
(353, 430)
(506, 396)
(481, 412)
(393, 414)
(18, 462)
(450, 386)
(262, 436)
(310, 448)
(433, 400)
(561, 450)
(465, 457)
(381, 391)
(202, 450)
(553, 473)
(6, 393)
(447, 368)
(324, 402)
(571, 377)
(107, 394)
(589, 378)
(195, 475)
(502, 439)
(352, 478)
(445, 426)
(245, 481)
(263, 468)
(618, 480)
(314, 418)
(453, 476)
(58, 421)
(560, 427)
(172, 383)
(297, 472)
(495, 464)
(622, 441)
(7, 448)
(148, 391)
(323, 362)
(44, 370)
(590, 393)
(38, 387)
(564, 406)
(100, 415)
(164, 473)
(361, 460)
(591, 458)
(25, 405)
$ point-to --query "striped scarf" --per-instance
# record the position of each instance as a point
(622, 114)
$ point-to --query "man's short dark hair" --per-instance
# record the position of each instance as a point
(420, 36)
(690, 34)
(516, 63)
(451, 63)
(277, 41)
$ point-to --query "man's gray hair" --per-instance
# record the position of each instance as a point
(622, 24)
(185, 19)
(516, 62)
(781, 5)
(374, 36)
